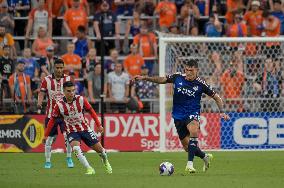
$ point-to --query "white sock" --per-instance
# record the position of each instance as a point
(103, 155)
(190, 164)
(47, 148)
(68, 147)
(205, 158)
(80, 156)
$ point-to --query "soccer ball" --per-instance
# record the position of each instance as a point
(166, 169)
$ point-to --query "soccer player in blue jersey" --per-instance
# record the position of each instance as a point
(188, 89)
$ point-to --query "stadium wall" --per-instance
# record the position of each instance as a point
(140, 132)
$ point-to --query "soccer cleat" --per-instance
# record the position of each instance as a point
(90, 171)
(189, 169)
(47, 165)
(107, 167)
(207, 160)
(70, 163)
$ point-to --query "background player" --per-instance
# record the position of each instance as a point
(71, 109)
(188, 89)
(52, 86)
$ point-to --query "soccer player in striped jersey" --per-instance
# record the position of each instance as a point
(52, 87)
(72, 109)
(188, 89)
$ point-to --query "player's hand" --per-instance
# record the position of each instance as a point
(138, 77)
(225, 116)
(100, 130)
(43, 140)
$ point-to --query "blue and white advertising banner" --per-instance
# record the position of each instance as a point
(260, 130)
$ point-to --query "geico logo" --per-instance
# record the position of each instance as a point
(267, 131)
(10, 133)
(130, 126)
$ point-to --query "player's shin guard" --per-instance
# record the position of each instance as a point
(199, 153)
(192, 147)
(68, 147)
(103, 155)
(80, 156)
(47, 148)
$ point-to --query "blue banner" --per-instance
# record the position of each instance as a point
(260, 130)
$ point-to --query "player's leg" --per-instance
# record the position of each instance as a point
(69, 161)
(74, 138)
(48, 143)
(90, 139)
(193, 128)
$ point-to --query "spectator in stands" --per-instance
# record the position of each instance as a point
(41, 42)
(174, 29)
(144, 90)
(20, 88)
(167, 12)
(203, 6)
(79, 86)
(55, 7)
(253, 19)
(271, 28)
(213, 27)
(118, 88)
(89, 62)
(147, 46)
(190, 16)
(233, 7)
(215, 65)
(7, 39)
(145, 7)
(132, 29)
(94, 83)
(39, 17)
(277, 11)
(72, 62)
(124, 7)
(82, 43)
(133, 62)
(46, 63)
(6, 18)
(111, 27)
(109, 63)
(74, 17)
(31, 67)
(19, 8)
(238, 28)
(232, 83)
(269, 84)
(84, 5)
(6, 70)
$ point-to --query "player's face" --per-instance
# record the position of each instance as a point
(58, 70)
(191, 72)
(69, 92)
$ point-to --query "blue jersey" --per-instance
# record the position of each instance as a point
(187, 96)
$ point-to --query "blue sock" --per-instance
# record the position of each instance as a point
(192, 146)
(199, 153)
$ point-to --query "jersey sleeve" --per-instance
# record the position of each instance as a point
(87, 105)
(43, 86)
(207, 89)
(171, 77)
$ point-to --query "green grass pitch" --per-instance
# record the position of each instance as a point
(131, 169)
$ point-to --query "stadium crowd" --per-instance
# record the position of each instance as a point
(33, 33)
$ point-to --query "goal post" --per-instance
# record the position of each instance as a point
(246, 72)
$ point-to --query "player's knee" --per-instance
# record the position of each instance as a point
(77, 150)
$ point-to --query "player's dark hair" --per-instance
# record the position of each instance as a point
(81, 29)
(68, 84)
(190, 63)
(58, 61)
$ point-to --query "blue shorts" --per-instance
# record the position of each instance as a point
(181, 125)
(89, 137)
(54, 131)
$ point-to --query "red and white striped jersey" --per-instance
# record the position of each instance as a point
(73, 113)
(53, 90)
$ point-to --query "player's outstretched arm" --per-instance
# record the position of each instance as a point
(155, 79)
(220, 104)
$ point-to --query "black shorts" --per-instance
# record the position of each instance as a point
(89, 137)
(181, 126)
(54, 131)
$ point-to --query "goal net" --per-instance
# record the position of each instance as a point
(247, 73)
